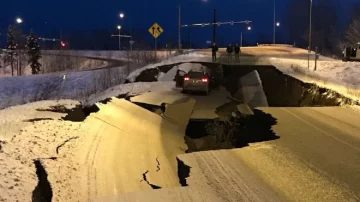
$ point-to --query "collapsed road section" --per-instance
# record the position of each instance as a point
(129, 138)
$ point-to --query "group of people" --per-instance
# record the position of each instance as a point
(230, 50)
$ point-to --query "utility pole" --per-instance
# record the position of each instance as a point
(190, 37)
(241, 39)
(131, 40)
(119, 39)
(214, 27)
(310, 34)
(274, 40)
(179, 27)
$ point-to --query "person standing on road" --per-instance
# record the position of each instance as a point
(237, 53)
(230, 50)
(214, 49)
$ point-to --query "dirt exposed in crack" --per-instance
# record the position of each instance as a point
(75, 115)
(237, 132)
(56, 109)
(80, 113)
(280, 89)
(150, 107)
(158, 164)
(283, 90)
(150, 75)
(183, 172)
(39, 119)
(62, 144)
(43, 191)
(1, 145)
(146, 180)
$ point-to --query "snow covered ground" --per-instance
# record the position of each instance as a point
(343, 77)
(118, 55)
(53, 64)
(64, 85)
(28, 133)
(24, 137)
(72, 85)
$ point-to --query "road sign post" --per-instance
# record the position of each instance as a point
(156, 30)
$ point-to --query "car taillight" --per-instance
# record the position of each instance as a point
(205, 80)
(186, 78)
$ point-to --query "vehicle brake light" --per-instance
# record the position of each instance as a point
(186, 78)
(205, 80)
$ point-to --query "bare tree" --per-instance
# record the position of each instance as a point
(352, 34)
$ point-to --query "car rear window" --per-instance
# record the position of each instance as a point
(196, 74)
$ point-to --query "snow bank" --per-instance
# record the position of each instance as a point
(345, 73)
(343, 77)
(105, 54)
(177, 59)
(25, 137)
(65, 85)
(52, 63)
(131, 88)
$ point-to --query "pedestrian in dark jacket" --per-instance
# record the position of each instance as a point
(230, 50)
(237, 53)
(214, 49)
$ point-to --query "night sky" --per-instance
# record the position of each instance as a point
(47, 17)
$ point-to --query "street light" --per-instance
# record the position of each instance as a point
(274, 22)
(241, 41)
(278, 24)
(119, 28)
(122, 15)
(310, 34)
(19, 20)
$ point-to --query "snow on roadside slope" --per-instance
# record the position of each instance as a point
(181, 58)
(76, 85)
(131, 88)
(49, 62)
(25, 137)
(346, 73)
(343, 77)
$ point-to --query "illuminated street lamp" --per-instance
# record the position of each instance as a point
(19, 20)
(241, 41)
(119, 28)
(278, 24)
(122, 15)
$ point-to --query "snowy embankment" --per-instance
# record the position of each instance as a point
(343, 77)
(26, 135)
(116, 55)
(73, 85)
(51, 63)
(64, 85)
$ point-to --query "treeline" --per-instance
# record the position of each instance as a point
(328, 33)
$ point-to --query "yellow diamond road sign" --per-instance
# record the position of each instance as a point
(156, 30)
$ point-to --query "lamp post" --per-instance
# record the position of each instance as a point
(241, 41)
(310, 34)
(119, 28)
(274, 22)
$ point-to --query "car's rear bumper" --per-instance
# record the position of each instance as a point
(196, 88)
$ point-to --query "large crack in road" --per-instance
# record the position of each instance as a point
(239, 129)
(43, 191)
